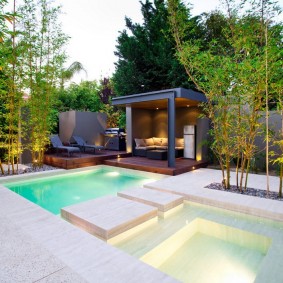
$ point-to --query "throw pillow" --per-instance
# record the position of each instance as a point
(149, 142)
(157, 141)
(140, 142)
(164, 142)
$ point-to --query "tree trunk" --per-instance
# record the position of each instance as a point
(227, 183)
(247, 174)
(281, 177)
(266, 111)
(1, 168)
(242, 173)
(237, 168)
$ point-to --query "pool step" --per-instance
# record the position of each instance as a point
(165, 202)
(108, 216)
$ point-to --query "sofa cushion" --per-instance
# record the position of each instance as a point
(140, 142)
(179, 142)
(149, 142)
(164, 142)
(141, 147)
(157, 141)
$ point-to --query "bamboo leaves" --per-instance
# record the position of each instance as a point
(230, 68)
(31, 62)
(43, 40)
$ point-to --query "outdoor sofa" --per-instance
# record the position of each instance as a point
(142, 146)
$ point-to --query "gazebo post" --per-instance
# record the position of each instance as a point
(129, 129)
(171, 130)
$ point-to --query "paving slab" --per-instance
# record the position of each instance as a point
(162, 200)
(191, 186)
(108, 216)
(24, 260)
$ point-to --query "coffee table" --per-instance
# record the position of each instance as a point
(157, 154)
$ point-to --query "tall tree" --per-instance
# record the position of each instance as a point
(232, 74)
(106, 92)
(146, 56)
(80, 97)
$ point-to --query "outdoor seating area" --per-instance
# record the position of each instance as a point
(70, 148)
(60, 148)
(156, 148)
(80, 142)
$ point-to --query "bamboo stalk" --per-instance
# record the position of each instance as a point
(247, 174)
(266, 110)
(280, 180)
(1, 168)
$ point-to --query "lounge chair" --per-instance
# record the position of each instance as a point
(83, 145)
(57, 144)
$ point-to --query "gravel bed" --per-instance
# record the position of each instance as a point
(249, 191)
(28, 168)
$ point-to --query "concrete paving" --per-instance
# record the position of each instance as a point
(24, 260)
(108, 216)
(191, 186)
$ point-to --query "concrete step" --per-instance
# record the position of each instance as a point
(108, 216)
(161, 200)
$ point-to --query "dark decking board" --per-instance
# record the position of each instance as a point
(125, 160)
(82, 160)
(156, 166)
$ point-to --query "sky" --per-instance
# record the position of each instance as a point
(94, 26)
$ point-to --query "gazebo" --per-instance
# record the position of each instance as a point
(165, 112)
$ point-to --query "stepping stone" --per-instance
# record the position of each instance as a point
(108, 216)
(162, 200)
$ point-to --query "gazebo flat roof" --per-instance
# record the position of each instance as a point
(182, 96)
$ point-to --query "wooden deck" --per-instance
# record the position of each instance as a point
(83, 159)
(156, 166)
(124, 160)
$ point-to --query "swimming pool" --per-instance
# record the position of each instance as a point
(203, 244)
(54, 192)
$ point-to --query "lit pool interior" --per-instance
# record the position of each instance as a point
(54, 192)
(204, 244)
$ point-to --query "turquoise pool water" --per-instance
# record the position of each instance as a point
(53, 193)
